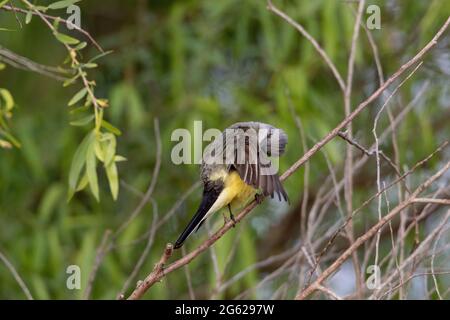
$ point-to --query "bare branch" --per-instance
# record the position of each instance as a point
(371, 232)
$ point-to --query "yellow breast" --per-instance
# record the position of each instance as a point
(239, 191)
(235, 192)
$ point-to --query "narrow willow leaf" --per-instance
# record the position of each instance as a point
(77, 97)
(78, 162)
(79, 109)
(56, 24)
(91, 170)
(8, 98)
(11, 138)
(113, 179)
(64, 38)
(83, 183)
(81, 45)
(28, 17)
(108, 126)
(62, 4)
(99, 151)
(83, 121)
(120, 158)
(2, 3)
(90, 65)
(70, 81)
(100, 56)
(110, 150)
(40, 8)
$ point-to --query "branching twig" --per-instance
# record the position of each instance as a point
(371, 232)
(67, 22)
(157, 273)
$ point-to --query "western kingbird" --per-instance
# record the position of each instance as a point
(237, 166)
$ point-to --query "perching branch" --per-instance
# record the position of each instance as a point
(157, 274)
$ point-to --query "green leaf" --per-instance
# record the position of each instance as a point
(78, 162)
(11, 138)
(91, 170)
(83, 183)
(56, 24)
(80, 46)
(8, 98)
(108, 126)
(110, 149)
(62, 4)
(99, 151)
(120, 158)
(28, 17)
(113, 179)
(83, 121)
(90, 65)
(100, 56)
(64, 38)
(2, 3)
(70, 81)
(77, 97)
(79, 109)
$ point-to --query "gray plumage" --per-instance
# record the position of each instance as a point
(247, 147)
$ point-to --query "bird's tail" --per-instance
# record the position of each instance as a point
(209, 197)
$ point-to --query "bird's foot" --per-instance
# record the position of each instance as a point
(225, 219)
(259, 198)
(232, 219)
(232, 216)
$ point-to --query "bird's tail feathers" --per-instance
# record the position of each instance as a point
(209, 197)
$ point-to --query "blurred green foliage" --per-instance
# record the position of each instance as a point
(180, 61)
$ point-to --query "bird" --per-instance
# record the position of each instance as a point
(236, 166)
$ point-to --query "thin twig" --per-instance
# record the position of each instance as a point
(327, 291)
(311, 39)
(152, 185)
(145, 252)
(23, 63)
(16, 276)
(101, 251)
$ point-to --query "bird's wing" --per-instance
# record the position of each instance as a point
(254, 143)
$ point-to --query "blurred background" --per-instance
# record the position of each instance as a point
(218, 62)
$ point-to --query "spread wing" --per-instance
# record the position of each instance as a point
(255, 143)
